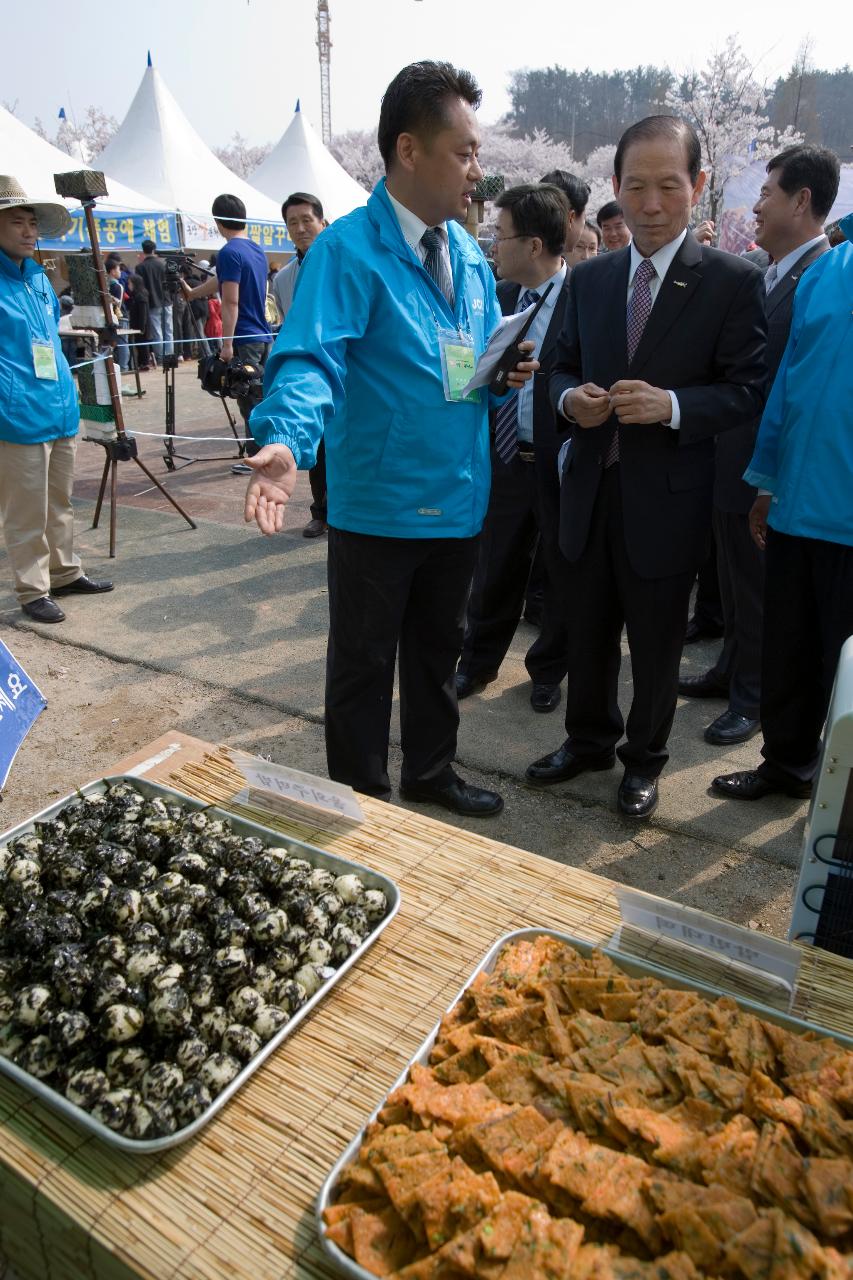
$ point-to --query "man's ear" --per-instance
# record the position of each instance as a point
(615, 182)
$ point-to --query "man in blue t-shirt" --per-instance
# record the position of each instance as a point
(241, 279)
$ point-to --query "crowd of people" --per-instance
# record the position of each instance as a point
(675, 412)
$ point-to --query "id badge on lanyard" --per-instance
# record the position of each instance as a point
(458, 363)
(44, 361)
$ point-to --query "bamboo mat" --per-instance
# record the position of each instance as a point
(238, 1201)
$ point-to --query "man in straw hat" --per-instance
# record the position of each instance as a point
(39, 414)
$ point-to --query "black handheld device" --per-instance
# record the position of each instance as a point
(512, 355)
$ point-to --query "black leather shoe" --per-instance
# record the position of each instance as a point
(545, 697)
(730, 728)
(638, 797)
(467, 684)
(704, 686)
(563, 764)
(43, 610)
(697, 630)
(315, 528)
(455, 794)
(82, 586)
(748, 784)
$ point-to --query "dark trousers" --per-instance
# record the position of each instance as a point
(808, 614)
(521, 515)
(317, 480)
(390, 595)
(252, 353)
(740, 568)
(605, 593)
(708, 605)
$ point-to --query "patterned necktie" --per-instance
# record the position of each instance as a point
(506, 418)
(639, 310)
(435, 262)
(771, 277)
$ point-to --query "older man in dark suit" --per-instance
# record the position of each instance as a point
(663, 347)
(798, 193)
(535, 222)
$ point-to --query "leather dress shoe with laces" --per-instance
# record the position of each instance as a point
(43, 610)
(704, 686)
(466, 684)
(701, 631)
(545, 697)
(749, 784)
(638, 797)
(563, 764)
(455, 794)
(82, 586)
(315, 528)
(730, 728)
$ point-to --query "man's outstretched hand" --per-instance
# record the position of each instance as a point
(270, 487)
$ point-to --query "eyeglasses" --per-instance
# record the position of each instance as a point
(502, 239)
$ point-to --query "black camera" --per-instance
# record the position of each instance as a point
(236, 379)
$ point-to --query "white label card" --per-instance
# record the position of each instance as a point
(730, 944)
(292, 784)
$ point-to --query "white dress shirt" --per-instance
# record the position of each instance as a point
(413, 228)
(661, 260)
(786, 264)
(536, 334)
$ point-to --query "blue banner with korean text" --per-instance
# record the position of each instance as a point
(118, 230)
(21, 703)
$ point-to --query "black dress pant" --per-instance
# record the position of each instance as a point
(523, 514)
(740, 567)
(808, 614)
(605, 593)
(251, 353)
(708, 605)
(317, 480)
(388, 595)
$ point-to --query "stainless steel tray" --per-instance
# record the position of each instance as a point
(318, 857)
(630, 964)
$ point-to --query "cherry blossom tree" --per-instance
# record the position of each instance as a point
(727, 106)
(241, 157)
(358, 153)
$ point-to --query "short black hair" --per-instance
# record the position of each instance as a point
(302, 197)
(813, 167)
(112, 260)
(148, 246)
(573, 188)
(231, 211)
(416, 101)
(537, 209)
(612, 209)
(654, 127)
(592, 226)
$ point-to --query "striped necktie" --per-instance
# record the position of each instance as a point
(639, 310)
(435, 263)
(506, 417)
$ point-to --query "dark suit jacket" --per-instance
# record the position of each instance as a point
(705, 341)
(735, 448)
(544, 430)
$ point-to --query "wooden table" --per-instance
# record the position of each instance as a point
(238, 1201)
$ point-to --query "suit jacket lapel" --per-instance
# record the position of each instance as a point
(615, 310)
(789, 282)
(675, 291)
(556, 322)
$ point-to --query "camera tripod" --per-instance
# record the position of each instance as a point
(170, 364)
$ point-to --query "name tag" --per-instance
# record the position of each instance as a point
(457, 367)
(44, 361)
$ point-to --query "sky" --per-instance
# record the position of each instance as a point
(240, 65)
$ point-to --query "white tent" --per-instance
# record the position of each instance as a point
(158, 150)
(33, 161)
(300, 162)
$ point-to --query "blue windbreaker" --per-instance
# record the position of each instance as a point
(804, 450)
(359, 360)
(32, 410)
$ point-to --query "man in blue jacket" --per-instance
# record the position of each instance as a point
(803, 521)
(395, 304)
(39, 415)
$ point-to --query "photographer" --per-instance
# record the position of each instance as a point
(241, 274)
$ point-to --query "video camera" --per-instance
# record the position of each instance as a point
(178, 265)
(235, 378)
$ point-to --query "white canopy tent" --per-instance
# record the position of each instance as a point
(33, 161)
(158, 150)
(300, 162)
